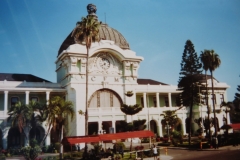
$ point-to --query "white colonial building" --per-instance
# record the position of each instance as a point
(113, 70)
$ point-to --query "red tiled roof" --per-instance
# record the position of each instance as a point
(125, 135)
(105, 137)
(235, 126)
(80, 139)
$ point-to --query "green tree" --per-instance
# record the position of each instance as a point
(86, 32)
(131, 109)
(235, 112)
(236, 100)
(37, 116)
(190, 70)
(170, 118)
(211, 62)
(205, 65)
(57, 112)
(20, 115)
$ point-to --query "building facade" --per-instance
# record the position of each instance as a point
(112, 71)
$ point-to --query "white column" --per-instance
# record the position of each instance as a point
(169, 99)
(183, 123)
(27, 97)
(47, 96)
(114, 125)
(100, 127)
(48, 141)
(160, 127)
(145, 100)
(5, 102)
(157, 98)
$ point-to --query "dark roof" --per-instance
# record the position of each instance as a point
(149, 81)
(202, 77)
(20, 77)
(105, 33)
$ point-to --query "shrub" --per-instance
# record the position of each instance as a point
(31, 152)
(57, 146)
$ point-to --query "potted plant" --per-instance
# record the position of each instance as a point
(129, 93)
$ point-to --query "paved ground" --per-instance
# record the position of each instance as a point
(223, 153)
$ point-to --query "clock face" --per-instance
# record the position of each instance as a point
(104, 63)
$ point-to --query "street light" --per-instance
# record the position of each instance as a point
(168, 127)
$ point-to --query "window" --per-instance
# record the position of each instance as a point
(214, 98)
(222, 97)
(34, 99)
(204, 100)
(142, 103)
(154, 102)
(14, 100)
(166, 101)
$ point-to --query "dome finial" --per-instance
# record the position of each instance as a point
(92, 9)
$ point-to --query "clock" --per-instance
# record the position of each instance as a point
(104, 63)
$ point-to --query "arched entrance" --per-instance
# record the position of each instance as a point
(153, 127)
(92, 128)
(105, 98)
(15, 138)
(106, 126)
(121, 126)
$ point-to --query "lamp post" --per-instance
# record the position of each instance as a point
(168, 127)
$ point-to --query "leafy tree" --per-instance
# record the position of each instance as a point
(31, 152)
(170, 118)
(38, 115)
(236, 100)
(131, 109)
(190, 69)
(205, 65)
(57, 112)
(86, 32)
(20, 115)
(211, 61)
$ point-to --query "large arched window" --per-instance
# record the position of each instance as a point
(105, 98)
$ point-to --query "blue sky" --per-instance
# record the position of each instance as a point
(31, 32)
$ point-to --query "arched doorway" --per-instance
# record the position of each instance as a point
(121, 126)
(15, 138)
(153, 127)
(105, 98)
(36, 133)
(92, 128)
(106, 125)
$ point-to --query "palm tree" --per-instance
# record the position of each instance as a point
(56, 114)
(205, 65)
(20, 115)
(86, 32)
(131, 110)
(211, 62)
(170, 117)
(38, 115)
